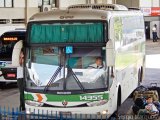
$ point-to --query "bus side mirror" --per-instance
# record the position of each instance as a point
(16, 52)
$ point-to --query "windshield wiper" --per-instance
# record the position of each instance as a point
(53, 78)
(75, 77)
(70, 71)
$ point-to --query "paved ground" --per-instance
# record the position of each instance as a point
(152, 47)
(9, 96)
(152, 73)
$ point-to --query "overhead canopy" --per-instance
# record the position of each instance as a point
(67, 33)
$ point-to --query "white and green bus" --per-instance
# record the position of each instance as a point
(60, 46)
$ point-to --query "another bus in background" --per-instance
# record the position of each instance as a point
(7, 42)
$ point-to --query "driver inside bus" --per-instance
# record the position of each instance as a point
(98, 64)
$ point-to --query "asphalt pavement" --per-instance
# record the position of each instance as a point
(152, 71)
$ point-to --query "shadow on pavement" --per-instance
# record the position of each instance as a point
(4, 86)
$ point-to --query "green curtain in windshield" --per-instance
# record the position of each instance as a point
(69, 33)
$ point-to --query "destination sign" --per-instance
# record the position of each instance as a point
(10, 38)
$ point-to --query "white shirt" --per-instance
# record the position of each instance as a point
(95, 66)
(154, 29)
(19, 72)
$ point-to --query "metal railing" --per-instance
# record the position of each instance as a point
(7, 113)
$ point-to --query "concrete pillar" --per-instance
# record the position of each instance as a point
(31, 7)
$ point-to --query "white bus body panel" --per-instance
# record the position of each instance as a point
(126, 77)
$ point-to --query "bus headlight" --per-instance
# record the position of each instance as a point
(97, 103)
(104, 112)
(34, 103)
(28, 112)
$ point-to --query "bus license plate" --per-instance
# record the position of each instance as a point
(11, 75)
(65, 113)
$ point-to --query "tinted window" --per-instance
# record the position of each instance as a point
(7, 42)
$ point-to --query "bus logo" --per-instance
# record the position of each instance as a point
(64, 103)
(66, 17)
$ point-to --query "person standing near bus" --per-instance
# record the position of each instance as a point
(154, 33)
(20, 80)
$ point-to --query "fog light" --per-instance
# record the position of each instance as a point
(28, 112)
(104, 112)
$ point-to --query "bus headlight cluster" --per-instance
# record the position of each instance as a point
(97, 103)
(104, 112)
(34, 103)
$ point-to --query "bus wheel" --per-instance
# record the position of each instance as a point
(139, 76)
(116, 113)
(118, 102)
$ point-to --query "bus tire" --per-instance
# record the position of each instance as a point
(140, 73)
(119, 97)
(116, 113)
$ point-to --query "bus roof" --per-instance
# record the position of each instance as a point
(14, 33)
(81, 14)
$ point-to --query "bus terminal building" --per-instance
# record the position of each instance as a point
(16, 13)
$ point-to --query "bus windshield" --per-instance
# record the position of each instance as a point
(66, 68)
(7, 42)
(6, 48)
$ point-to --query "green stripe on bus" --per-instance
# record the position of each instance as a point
(28, 96)
(82, 97)
(73, 98)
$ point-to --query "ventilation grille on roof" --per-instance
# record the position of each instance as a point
(99, 6)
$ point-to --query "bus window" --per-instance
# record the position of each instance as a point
(6, 50)
(46, 55)
(8, 40)
(83, 57)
